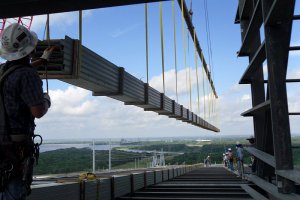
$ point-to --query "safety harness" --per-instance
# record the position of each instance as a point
(18, 153)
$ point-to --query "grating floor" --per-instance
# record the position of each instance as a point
(213, 183)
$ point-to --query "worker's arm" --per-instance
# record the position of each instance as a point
(44, 58)
(31, 92)
(38, 62)
(39, 111)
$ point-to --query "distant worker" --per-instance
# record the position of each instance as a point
(226, 159)
(251, 140)
(21, 101)
(240, 158)
(207, 162)
(230, 159)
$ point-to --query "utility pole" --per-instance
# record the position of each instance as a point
(93, 156)
(109, 157)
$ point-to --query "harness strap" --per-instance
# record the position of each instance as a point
(4, 124)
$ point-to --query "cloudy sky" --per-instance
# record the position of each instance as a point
(118, 34)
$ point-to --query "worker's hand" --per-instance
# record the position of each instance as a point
(47, 53)
(47, 99)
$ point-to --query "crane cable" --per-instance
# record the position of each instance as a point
(203, 86)
(184, 45)
(147, 51)
(175, 54)
(196, 62)
(190, 79)
(162, 45)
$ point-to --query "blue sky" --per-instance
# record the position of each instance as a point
(118, 34)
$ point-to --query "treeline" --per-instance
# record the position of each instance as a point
(75, 160)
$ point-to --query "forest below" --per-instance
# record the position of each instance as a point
(69, 160)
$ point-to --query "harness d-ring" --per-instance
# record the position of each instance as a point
(39, 136)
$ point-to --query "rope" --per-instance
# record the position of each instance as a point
(162, 45)
(190, 88)
(196, 62)
(175, 54)
(80, 40)
(147, 52)
(48, 41)
(184, 44)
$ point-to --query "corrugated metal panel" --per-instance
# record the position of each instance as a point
(171, 173)
(177, 110)
(99, 71)
(184, 113)
(138, 181)
(150, 178)
(158, 176)
(168, 105)
(133, 90)
(105, 189)
(122, 185)
(61, 60)
(69, 191)
(194, 118)
(174, 172)
(190, 116)
(168, 108)
(91, 189)
(165, 175)
(154, 97)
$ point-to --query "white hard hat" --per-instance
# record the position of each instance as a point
(17, 42)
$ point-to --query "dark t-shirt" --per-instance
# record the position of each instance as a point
(22, 89)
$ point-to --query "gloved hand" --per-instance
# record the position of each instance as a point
(47, 99)
(47, 53)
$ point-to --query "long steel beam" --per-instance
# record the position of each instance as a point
(86, 69)
(15, 8)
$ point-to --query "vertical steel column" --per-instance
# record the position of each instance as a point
(257, 84)
(277, 17)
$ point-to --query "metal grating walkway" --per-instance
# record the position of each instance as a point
(204, 183)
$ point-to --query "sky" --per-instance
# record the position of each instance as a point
(118, 35)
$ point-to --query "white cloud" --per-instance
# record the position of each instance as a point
(246, 97)
(58, 20)
(295, 53)
(75, 113)
(170, 81)
(121, 31)
(293, 74)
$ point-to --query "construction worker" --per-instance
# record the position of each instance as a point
(251, 140)
(207, 161)
(240, 158)
(230, 159)
(21, 101)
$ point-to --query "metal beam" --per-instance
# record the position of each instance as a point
(17, 8)
(267, 158)
(253, 193)
(271, 189)
(257, 109)
(293, 175)
(277, 39)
